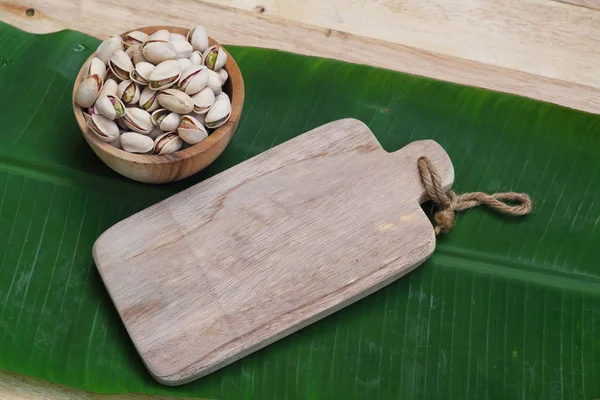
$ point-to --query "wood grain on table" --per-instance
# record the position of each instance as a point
(544, 49)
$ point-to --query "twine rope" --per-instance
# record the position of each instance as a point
(448, 203)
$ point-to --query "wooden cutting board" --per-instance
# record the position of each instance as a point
(267, 247)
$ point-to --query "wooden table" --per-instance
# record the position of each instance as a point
(543, 49)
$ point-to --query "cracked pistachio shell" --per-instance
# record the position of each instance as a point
(199, 117)
(219, 113)
(214, 58)
(141, 73)
(223, 75)
(103, 128)
(214, 82)
(138, 120)
(109, 88)
(129, 92)
(148, 100)
(191, 130)
(176, 36)
(166, 143)
(133, 142)
(223, 96)
(131, 50)
(108, 47)
(193, 79)
(182, 48)
(121, 124)
(158, 51)
(96, 67)
(120, 65)
(166, 120)
(134, 38)
(196, 58)
(184, 63)
(138, 56)
(198, 38)
(176, 101)
(110, 106)
(165, 75)
(158, 115)
(88, 91)
(163, 35)
(203, 100)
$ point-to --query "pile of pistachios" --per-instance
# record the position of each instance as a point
(155, 94)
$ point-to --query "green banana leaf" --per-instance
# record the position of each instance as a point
(505, 308)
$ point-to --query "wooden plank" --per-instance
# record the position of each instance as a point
(267, 247)
(17, 387)
(241, 27)
(541, 37)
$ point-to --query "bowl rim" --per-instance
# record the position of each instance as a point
(224, 132)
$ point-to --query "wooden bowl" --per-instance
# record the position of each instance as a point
(181, 164)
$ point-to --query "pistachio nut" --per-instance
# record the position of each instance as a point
(223, 75)
(164, 75)
(158, 116)
(219, 113)
(129, 92)
(108, 47)
(184, 63)
(203, 100)
(148, 99)
(138, 120)
(134, 38)
(120, 65)
(141, 73)
(110, 106)
(176, 101)
(117, 142)
(214, 82)
(88, 91)
(96, 67)
(121, 124)
(104, 128)
(193, 79)
(182, 49)
(135, 143)
(214, 57)
(162, 34)
(198, 38)
(167, 143)
(199, 117)
(130, 51)
(222, 95)
(158, 51)
(138, 56)
(177, 36)
(109, 88)
(191, 130)
(196, 58)
(166, 120)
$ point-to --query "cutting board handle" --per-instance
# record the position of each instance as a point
(406, 160)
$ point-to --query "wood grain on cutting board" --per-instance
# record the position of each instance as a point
(267, 247)
(543, 49)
